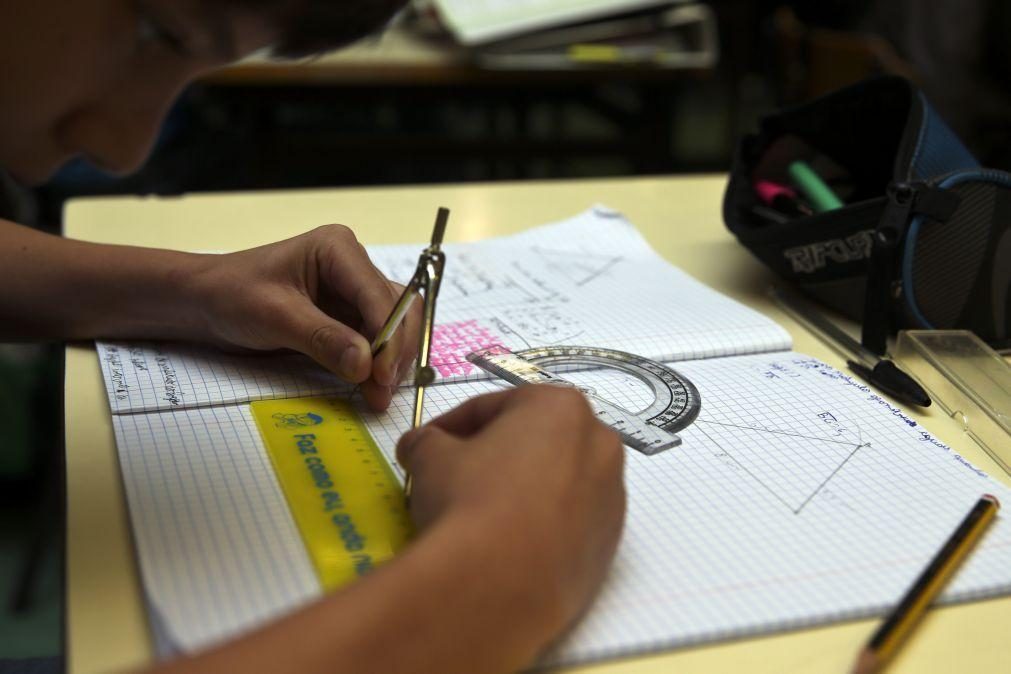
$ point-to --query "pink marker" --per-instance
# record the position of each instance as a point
(781, 197)
(768, 191)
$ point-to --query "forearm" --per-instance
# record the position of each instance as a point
(461, 599)
(56, 288)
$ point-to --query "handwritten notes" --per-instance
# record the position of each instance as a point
(154, 364)
(591, 280)
(145, 376)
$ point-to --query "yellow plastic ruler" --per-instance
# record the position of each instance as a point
(345, 498)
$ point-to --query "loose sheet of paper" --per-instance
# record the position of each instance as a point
(477, 21)
(591, 280)
(798, 497)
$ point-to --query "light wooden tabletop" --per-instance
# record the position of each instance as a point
(403, 56)
(107, 624)
(398, 54)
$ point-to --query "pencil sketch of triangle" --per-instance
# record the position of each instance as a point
(579, 268)
(793, 465)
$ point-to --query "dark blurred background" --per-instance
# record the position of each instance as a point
(370, 122)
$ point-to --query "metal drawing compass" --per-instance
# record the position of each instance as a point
(676, 402)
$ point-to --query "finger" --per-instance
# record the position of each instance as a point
(386, 365)
(411, 336)
(542, 410)
(304, 327)
(377, 396)
(472, 416)
(349, 273)
(425, 447)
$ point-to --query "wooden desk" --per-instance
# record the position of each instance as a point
(402, 56)
(106, 625)
(397, 57)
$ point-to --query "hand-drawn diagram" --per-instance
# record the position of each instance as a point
(476, 281)
(793, 458)
(793, 466)
(543, 325)
(579, 268)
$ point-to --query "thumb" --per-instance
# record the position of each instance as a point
(330, 343)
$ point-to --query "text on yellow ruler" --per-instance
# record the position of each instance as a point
(346, 500)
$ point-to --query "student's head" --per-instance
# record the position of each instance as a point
(94, 78)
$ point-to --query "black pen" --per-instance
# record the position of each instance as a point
(882, 374)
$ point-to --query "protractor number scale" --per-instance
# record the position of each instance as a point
(676, 402)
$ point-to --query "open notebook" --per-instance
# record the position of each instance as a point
(592, 280)
(798, 496)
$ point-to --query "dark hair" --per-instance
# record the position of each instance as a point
(309, 27)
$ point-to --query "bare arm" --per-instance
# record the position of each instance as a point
(518, 495)
(317, 293)
(58, 288)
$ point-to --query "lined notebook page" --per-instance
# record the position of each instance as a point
(798, 497)
(591, 280)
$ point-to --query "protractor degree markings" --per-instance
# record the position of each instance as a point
(775, 432)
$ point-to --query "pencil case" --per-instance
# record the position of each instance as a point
(900, 227)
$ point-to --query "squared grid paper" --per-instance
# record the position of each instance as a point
(591, 280)
(219, 551)
(143, 377)
(797, 498)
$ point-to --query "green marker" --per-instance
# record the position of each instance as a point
(820, 195)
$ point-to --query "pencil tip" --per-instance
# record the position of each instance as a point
(867, 663)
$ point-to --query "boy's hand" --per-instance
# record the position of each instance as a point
(521, 499)
(535, 477)
(317, 293)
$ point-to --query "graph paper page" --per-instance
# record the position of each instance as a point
(219, 551)
(798, 497)
(144, 376)
(591, 280)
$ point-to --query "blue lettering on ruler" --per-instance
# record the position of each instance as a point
(353, 541)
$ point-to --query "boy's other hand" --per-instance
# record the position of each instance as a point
(317, 293)
(533, 476)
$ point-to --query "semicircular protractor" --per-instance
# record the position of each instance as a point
(671, 401)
